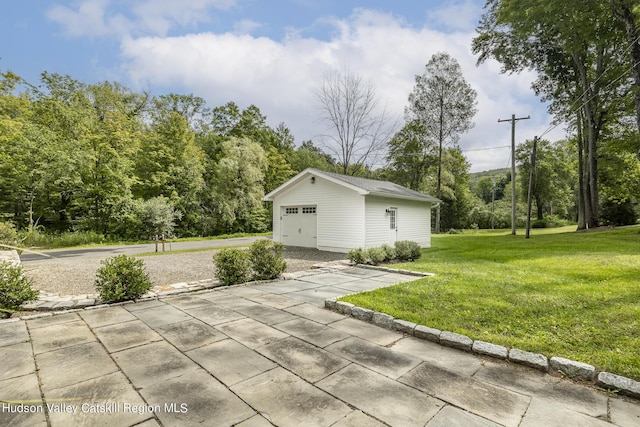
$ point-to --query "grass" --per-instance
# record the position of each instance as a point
(561, 293)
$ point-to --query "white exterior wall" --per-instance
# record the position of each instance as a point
(413, 221)
(339, 213)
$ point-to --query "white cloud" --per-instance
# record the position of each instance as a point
(280, 76)
(121, 18)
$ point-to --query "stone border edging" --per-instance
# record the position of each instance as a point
(571, 368)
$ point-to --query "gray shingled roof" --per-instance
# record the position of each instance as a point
(375, 186)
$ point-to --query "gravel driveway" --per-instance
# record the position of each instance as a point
(76, 276)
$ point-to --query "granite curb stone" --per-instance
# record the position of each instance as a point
(624, 385)
(459, 341)
(488, 349)
(383, 320)
(527, 358)
(426, 333)
(572, 368)
(403, 326)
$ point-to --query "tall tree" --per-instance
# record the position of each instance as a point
(443, 104)
(358, 126)
(411, 155)
(237, 186)
(575, 48)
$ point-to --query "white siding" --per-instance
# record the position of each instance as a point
(414, 221)
(377, 221)
(340, 213)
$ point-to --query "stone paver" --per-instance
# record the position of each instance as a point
(303, 359)
(194, 399)
(385, 399)
(486, 400)
(287, 400)
(153, 363)
(377, 358)
(310, 331)
(269, 354)
(16, 360)
(230, 361)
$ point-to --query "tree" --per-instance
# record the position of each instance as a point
(443, 104)
(310, 156)
(358, 128)
(237, 186)
(576, 49)
(411, 155)
(554, 175)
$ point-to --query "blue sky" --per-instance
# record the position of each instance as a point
(270, 53)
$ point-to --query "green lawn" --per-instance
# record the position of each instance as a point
(560, 293)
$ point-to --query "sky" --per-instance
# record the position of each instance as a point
(273, 54)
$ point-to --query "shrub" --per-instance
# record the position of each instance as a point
(407, 250)
(8, 234)
(15, 288)
(266, 259)
(389, 252)
(121, 278)
(376, 255)
(357, 256)
(233, 266)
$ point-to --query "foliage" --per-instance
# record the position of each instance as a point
(38, 239)
(8, 234)
(266, 259)
(407, 250)
(389, 252)
(357, 256)
(237, 186)
(153, 217)
(376, 255)
(121, 278)
(619, 212)
(559, 293)
(233, 266)
(15, 288)
(442, 104)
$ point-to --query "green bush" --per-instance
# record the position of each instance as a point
(15, 288)
(376, 255)
(121, 278)
(357, 256)
(36, 238)
(8, 234)
(266, 259)
(233, 266)
(407, 250)
(389, 252)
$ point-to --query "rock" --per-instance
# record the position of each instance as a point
(403, 326)
(459, 341)
(616, 382)
(362, 313)
(489, 349)
(384, 320)
(532, 360)
(572, 368)
(344, 307)
(426, 333)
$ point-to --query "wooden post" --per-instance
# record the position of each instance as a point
(532, 175)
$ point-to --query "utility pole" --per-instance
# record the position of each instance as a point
(532, 176)
(513, 121)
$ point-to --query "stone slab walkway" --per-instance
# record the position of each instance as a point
(269, 354)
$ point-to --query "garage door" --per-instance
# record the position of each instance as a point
(299, 226)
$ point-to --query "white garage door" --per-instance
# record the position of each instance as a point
(299, 226)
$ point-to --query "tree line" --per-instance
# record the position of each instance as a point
(102, 158)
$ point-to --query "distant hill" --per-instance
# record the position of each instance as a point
(493, 172)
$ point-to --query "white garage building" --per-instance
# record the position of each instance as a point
(334, 212)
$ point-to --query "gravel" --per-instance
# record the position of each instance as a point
(69, 276)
